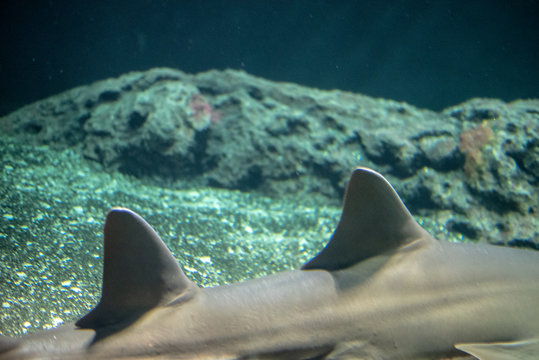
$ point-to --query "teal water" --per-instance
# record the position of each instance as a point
(52, 208)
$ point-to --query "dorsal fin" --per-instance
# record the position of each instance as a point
(374, 220)
(139, 272)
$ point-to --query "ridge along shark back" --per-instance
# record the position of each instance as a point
(382, 288)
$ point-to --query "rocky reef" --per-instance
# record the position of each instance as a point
(473, 168)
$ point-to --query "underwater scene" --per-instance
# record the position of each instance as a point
(53, 210)
(245, 175)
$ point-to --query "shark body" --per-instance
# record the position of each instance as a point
(382, 288)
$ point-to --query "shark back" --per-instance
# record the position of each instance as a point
(423, 298)
(7, 344)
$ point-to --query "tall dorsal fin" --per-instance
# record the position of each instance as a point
(374, 220)
(139, 272)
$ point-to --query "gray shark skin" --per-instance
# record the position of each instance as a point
(382, 288)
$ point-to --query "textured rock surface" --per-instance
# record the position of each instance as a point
(473, 168)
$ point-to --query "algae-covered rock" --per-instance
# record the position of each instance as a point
(232, 130)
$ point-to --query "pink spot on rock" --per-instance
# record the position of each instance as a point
(203, 113)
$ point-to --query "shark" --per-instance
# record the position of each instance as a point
(382, 288)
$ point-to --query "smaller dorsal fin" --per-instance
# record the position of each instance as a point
(139, 272)
(374, 220)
